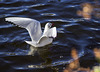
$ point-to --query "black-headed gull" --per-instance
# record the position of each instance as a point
(33, 26)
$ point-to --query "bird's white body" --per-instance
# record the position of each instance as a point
(38, 37)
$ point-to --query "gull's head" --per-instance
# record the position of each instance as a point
(49, 25)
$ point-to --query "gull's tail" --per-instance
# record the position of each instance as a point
(29, 42)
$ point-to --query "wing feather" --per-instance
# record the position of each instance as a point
(51, 33)
(32, 25)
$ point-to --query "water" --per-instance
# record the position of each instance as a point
(73, 32)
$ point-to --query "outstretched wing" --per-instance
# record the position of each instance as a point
(33, 26)
(51, 33)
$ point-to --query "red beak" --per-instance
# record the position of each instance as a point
(52, 24)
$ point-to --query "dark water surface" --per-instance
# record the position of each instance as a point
(73, 32)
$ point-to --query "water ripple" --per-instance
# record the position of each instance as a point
(3, 39)
(48, 14)
(67, 20)
(6, 26)
(21, 7)
(96, 29)
(37, 5)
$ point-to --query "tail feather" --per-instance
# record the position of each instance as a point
(29, 42)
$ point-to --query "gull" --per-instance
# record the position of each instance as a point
(38, 38)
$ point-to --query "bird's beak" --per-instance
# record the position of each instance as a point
(52, 24)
